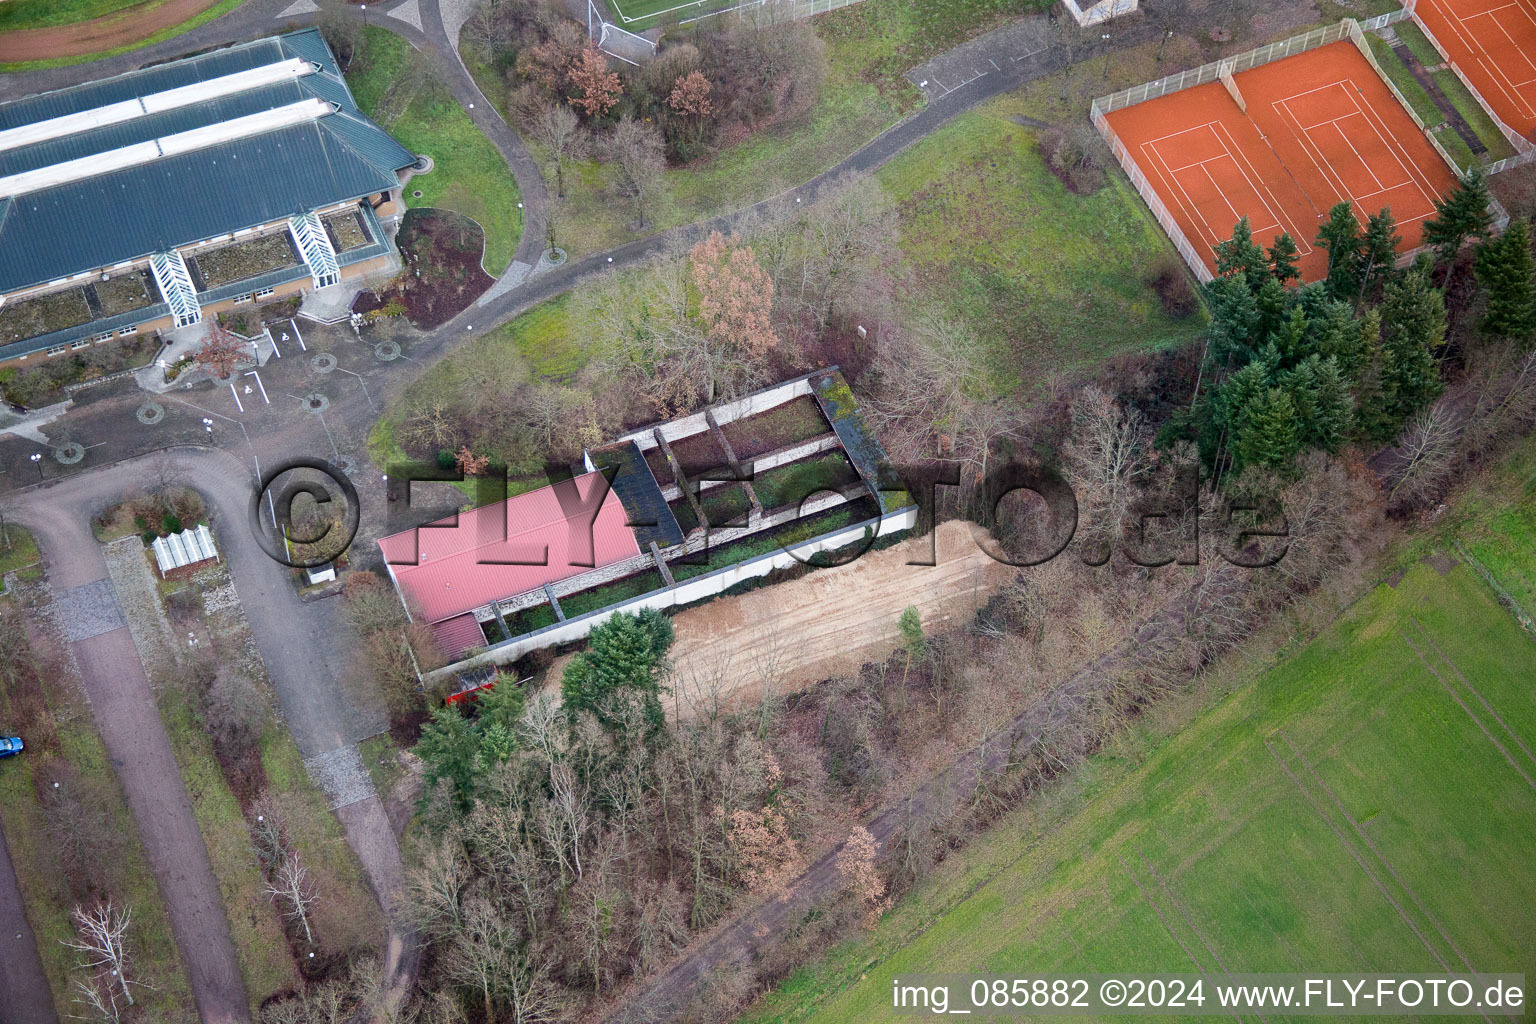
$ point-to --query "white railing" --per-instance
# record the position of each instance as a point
(1362, 44)
(315, 246)
(1209, 72)
(175, 284)
(1525, 152)
(1152, 199)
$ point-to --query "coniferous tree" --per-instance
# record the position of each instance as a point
(1372, 418)
(1413, 329)
(1235, 323)
(1320, 394)
(1378, 250)
(1507, 272)
(1340, 238)
(1240, 254)
(1282, 259)
(1269, 435)
(1462, 215)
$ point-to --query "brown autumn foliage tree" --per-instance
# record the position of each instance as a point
(469, 463)
(597, 88)
(735, 295)
(222, 353)
(690, 95)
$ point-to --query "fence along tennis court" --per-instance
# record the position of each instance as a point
(1321, 127)
(1492, 43)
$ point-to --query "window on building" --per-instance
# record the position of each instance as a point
(127, 331)
(82, 343)
(266, 293)
(58, 350)
(242, 298)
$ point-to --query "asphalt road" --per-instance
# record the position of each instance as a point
(24, 995)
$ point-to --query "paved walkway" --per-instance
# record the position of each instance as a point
(128, 720)
(24, 993)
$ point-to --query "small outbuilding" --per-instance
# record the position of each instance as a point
(185, 548)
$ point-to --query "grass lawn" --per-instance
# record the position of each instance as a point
(265, 962)
(1318, 815)
(1406, 84)
(17, 549)
(1482, 125)
(470, 177)
(219, 9)
(1050, 279)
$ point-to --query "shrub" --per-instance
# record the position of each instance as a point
(170, 523)
(1168, 278)
(446, 459)
(148, 537)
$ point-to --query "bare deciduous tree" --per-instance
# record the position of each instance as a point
(1427, 449)
(291, 889)
(635, 149)
(100, 939)
(557, 128)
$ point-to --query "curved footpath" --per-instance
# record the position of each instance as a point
(301, 662)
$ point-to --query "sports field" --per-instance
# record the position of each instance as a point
(639, 15)
(1320, 128)
(1366, 804)
(1493, 42)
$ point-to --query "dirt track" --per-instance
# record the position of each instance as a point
(105, 33)
(830, 621)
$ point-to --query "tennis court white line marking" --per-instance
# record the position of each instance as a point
(1405, 162)
(1505, 83)
(1191, 208)
(1187, 204)
(1254, 179)
(1289, 119)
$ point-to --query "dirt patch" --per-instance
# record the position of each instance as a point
(1395, 579)
(441, 251)
(117, 29)
(1441, 562)
(826, 623)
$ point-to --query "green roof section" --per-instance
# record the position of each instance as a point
(241, 181)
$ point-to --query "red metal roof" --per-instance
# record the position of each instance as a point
(451, 566)
(456, 635)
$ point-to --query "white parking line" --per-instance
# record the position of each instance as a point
(264, 398)
(237, 396)
(275, 350)
(295, 325)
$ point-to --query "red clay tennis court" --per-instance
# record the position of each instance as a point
(1493, 42)
(1321, 128)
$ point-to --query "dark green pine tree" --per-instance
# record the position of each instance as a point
(623, 654)
(1372, 418)
(1240, 254)
(1413, 329)
(1320, 393)
(1234, 331)
(1273, 303)
(1269, 435)
(1340, 238)
(1282, 259)
(1507, 272)
(1378, 250)
(1291, 339)
(1458, 217)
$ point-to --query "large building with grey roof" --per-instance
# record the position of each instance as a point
(157, 198)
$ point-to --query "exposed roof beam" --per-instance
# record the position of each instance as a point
(154, 103)
(170, 145)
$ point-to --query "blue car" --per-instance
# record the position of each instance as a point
(10, 745)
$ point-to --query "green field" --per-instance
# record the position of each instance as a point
(1053, 280)
(639, 15)
(469, 176)
(1353, 808)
